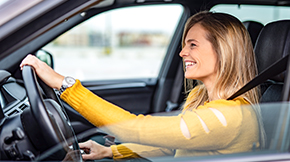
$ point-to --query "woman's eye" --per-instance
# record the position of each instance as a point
(192, 45)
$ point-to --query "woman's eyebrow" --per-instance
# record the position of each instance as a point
(191, 40)
(188, 41)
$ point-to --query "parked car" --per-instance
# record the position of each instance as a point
(125, 51)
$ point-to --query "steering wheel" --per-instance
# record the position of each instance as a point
(49, 115)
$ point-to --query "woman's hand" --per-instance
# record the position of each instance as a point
(44, 72)
(95, 151)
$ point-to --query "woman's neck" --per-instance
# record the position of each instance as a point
(212, 96)
(209, 84)
(210, 91)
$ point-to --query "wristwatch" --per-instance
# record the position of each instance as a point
(67, 82)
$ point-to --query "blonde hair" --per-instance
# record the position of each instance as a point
(236, 64)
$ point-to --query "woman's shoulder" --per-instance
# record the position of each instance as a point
(226, 103)
(233, 111)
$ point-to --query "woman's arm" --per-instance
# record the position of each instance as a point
(165, 131)
(132, 150)
(95, 151)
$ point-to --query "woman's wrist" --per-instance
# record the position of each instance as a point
(58, 83)
(108, 152)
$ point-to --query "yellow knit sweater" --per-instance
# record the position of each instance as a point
(161, 135)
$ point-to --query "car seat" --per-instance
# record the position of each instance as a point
(272, 45)
(254, 29)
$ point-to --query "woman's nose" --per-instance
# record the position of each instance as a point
(183, 52)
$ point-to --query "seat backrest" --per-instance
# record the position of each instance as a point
(254, 29)
(271, 46)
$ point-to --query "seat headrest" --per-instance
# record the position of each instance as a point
(254, 29)
(273, 44)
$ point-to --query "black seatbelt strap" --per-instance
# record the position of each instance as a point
(176, 89)
(271, 71)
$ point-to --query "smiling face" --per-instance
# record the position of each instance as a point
(199, 57)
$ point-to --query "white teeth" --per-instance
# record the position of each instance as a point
(188, 64)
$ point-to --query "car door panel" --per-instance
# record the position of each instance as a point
(132, 95)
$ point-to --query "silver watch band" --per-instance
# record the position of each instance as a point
(67, 82)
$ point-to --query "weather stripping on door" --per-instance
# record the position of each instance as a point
(118, 86)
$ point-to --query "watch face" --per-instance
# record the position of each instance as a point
(70, 81)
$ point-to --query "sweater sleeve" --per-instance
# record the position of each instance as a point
(132, 150)
(96, 110)
(164, 131)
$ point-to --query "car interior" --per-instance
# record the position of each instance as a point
(20, 133)
(270, 47)
(254, 29)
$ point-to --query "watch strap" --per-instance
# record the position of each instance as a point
(62, 89)
(67, 82)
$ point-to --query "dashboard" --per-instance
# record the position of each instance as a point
(13, 99)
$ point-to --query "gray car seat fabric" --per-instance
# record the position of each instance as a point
(270, 47)
(254, 29)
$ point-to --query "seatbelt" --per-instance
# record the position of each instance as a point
(176, 89)
(271, 71)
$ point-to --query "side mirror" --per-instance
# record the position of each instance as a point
(45, 56)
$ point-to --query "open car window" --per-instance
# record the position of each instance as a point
(118, 44)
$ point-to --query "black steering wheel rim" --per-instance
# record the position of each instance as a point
(45, 119)
(50, 93)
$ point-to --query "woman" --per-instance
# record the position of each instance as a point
(217, 52)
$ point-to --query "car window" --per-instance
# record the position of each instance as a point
(119, 44)
(262, 14)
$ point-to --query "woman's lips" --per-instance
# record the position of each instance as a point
(189, 63)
